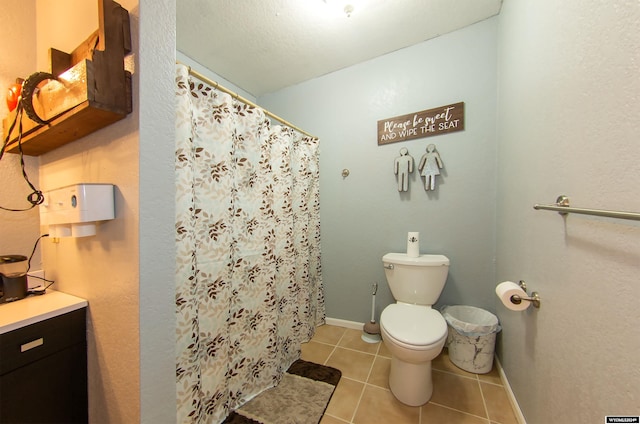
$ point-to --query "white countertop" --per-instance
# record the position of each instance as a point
(34, 309)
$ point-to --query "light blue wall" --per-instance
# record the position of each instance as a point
(364, 216)
(568, 123)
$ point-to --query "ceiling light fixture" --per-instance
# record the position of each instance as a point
(345, 5)
(348, 9)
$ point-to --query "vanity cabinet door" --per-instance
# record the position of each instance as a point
(43, 371)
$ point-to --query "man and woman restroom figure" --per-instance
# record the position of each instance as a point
(429, 167)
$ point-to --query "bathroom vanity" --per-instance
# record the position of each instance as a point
(43, 360)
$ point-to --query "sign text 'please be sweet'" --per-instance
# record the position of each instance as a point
(441, 120)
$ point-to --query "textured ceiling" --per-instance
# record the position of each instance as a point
(263, 46)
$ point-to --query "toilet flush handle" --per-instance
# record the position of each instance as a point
(388, 266)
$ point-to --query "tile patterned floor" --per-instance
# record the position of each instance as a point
(363, 395)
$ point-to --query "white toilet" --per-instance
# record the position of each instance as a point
(413, 331)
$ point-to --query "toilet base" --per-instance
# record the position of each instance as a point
(411, 383)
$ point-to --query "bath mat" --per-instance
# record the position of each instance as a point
(301, 397)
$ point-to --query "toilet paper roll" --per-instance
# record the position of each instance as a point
(413, 244)
(506, 289)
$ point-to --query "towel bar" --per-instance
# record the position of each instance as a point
(562, 206)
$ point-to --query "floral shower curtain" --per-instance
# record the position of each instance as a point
(248, 280)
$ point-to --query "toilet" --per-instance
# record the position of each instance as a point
(413, 332)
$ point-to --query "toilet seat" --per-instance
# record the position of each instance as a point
(413, 325)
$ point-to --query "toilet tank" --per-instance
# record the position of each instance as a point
(417, 280)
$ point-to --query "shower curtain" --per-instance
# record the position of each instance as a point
(248, 281)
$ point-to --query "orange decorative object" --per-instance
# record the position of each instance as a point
(13, 95)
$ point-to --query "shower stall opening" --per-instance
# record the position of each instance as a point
(248, 276)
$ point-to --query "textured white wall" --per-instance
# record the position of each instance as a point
(58, 27)
(364, 216)
(104, 269)
(126, 270)
(157, 211)
(18, 230)
(568, 123)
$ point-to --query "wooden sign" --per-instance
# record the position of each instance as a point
(441, 120)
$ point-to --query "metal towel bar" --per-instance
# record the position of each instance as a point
(562, 206)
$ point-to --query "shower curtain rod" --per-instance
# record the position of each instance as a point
(235, 95)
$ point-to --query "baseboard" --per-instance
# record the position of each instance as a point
(344, 323)
(510, 395)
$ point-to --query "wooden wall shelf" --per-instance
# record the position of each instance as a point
(93, 89)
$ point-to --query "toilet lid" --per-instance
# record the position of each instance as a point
(415, 325)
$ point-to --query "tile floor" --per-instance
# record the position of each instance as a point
(363, 394)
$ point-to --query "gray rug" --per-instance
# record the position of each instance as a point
(301, 397)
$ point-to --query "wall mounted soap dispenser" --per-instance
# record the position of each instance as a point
(73, 211)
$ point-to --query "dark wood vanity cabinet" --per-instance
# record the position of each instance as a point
(43, 371)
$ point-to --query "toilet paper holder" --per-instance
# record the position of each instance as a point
(534, 299)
